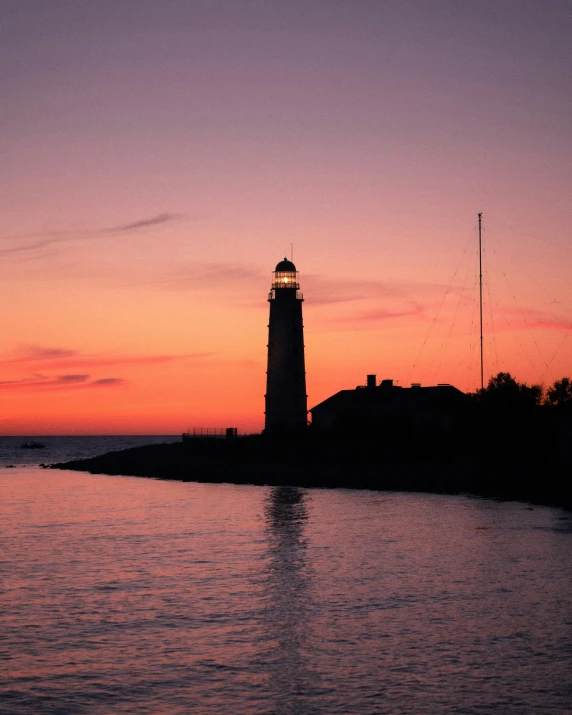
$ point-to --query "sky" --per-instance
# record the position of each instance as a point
(159, 157)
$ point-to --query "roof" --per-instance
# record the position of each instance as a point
(285, 266)
(364, 398)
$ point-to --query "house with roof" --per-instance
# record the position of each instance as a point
(392, 409)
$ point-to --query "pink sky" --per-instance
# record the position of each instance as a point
(159, 158)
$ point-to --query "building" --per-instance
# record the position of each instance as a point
(391, 409)
(286, 402)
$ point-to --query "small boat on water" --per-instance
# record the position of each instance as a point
(32, 445)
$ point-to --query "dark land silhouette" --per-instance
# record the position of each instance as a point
(509, 441)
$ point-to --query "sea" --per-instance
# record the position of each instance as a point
(132, 595)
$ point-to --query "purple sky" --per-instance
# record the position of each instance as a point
(165, 154)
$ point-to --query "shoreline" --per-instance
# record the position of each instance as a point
(508, 474)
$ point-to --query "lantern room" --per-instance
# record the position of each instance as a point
(285, 275)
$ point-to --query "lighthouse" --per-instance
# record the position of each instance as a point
(286, 399)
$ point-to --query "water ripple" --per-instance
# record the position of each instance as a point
(124, 595)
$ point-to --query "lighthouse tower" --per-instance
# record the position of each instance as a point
(286, 399)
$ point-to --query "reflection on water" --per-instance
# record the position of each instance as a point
(288, 594)
(127, 595)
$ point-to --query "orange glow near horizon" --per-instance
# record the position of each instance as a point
(150, 188)
(210, 371)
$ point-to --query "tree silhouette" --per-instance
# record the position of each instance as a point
(560, 394)
(508, 411)
(504, 393)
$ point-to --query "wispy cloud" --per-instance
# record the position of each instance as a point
(37, 360)
(59, 382)
(326, 291)
(388, 313)
(530, 318)
(550, 324)
(71, 379)
(34, 246)
(46, 239)
(323, 290)
(27, 353)
(46, 358)
(202, 275)
(91, 361)
(108, 382)
(219, 275)
(358, 320)
(142, 223)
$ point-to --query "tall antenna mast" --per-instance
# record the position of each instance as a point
(481, 294)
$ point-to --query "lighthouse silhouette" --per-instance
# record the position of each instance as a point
(286, 400)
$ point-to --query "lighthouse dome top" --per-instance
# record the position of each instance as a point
(286, 266)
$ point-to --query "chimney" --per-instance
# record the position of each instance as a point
(371, 380)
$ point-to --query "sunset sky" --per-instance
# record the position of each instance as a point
(159, 157)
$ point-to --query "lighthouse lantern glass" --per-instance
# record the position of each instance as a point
(285, 279)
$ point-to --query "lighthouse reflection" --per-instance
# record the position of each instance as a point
(288, 595)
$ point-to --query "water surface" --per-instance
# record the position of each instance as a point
(130, 595)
